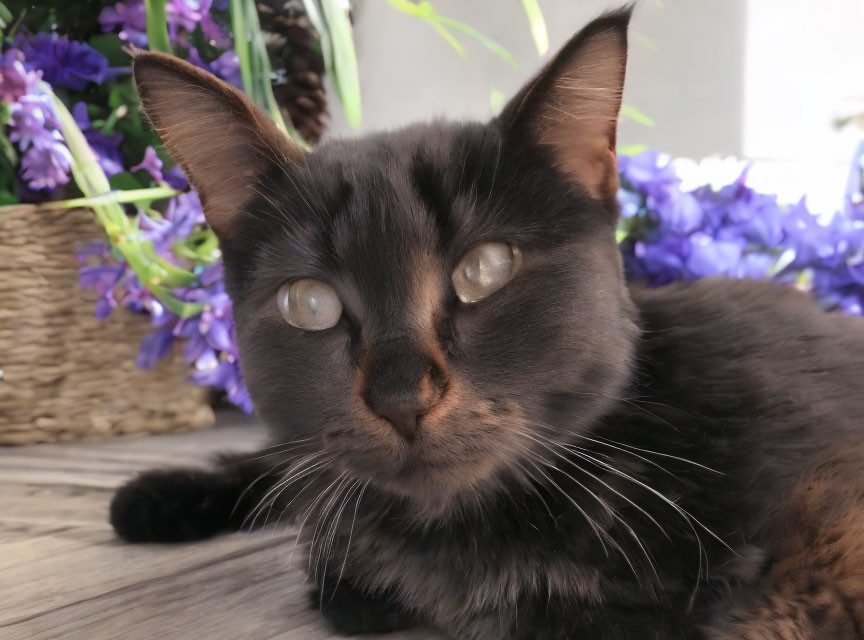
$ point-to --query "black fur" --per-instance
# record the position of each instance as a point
(599, 460)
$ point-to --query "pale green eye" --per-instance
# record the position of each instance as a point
(485, 269)
(309, 304)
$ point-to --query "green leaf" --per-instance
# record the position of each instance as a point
(538, 25)
(5, 18)
(255, 63)
(7, 151)
(153, 271)
(122, 94)
(644, 40)
(110, 46)
(486, 41)
(7, 198)
(346, 75)
(631, 149)
(315, 15)
(157, 26)
(200, 246)
(450, 38)
(426, 12)
(144, 196)
(206, 50)
(631, 112)
(124, 180)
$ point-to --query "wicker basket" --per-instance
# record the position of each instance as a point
(67, 375)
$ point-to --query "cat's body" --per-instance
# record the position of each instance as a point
(539, 452)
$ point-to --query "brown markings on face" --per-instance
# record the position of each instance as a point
(463, 438)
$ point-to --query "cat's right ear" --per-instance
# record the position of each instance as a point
(570, 109)
(223, 142)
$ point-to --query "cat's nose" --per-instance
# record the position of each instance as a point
(405, 417)
(402, 383)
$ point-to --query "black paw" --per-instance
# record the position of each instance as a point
(351, 612)
(171, 506)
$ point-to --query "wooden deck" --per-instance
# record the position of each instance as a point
(63, 574)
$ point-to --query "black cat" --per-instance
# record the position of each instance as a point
(476, 423)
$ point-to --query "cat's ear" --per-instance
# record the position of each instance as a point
(571, 107)
(223, 142)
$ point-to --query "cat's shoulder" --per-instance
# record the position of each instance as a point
(750, 314)
(712, 300)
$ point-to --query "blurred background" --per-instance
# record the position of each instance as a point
(758, 79)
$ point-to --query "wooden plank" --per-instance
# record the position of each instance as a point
(251, 596)
(63, 574)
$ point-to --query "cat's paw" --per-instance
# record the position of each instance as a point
(352, 613)
(170, 506)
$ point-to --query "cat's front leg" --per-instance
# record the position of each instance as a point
(352, 611)
(181, 505)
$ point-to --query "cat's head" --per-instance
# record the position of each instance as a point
(427, 304)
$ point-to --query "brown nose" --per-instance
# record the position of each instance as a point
(402, 384)
(405, 418)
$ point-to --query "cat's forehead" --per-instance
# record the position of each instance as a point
(389, 196)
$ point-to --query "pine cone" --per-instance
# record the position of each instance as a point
(295, 56)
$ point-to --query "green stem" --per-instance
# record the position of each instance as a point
(157, 26)
(254, 62)
(346, 75)
(130, 195)
(157, 274)
(538, 25)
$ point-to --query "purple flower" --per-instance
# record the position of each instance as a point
(217, 323)
(223, 374)
(151, 164)
(227, 67)
(130, 17)
(33, 125)
(107, 147)
(155, 345)
(186, 14)
(182, 16)
(176, 178)
(33, 122)
(709, 257)
(100, 277)
(63, 62)
(658, 263)
(15, 80)
(182, 215)
(46, 167)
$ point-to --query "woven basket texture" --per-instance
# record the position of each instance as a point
(67, 375)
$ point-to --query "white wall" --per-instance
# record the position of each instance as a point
(804, 68)
(690, 85)
(755, 78)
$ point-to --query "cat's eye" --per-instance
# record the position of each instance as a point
(485, 269)
(309, 304)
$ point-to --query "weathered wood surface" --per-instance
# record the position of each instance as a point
(64, 575)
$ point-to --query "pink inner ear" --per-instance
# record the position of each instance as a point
(223, 142)
(578, 116)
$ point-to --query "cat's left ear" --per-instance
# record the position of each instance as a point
(223, 142)
(571, 107)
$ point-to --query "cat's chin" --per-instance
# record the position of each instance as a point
(433, 490)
